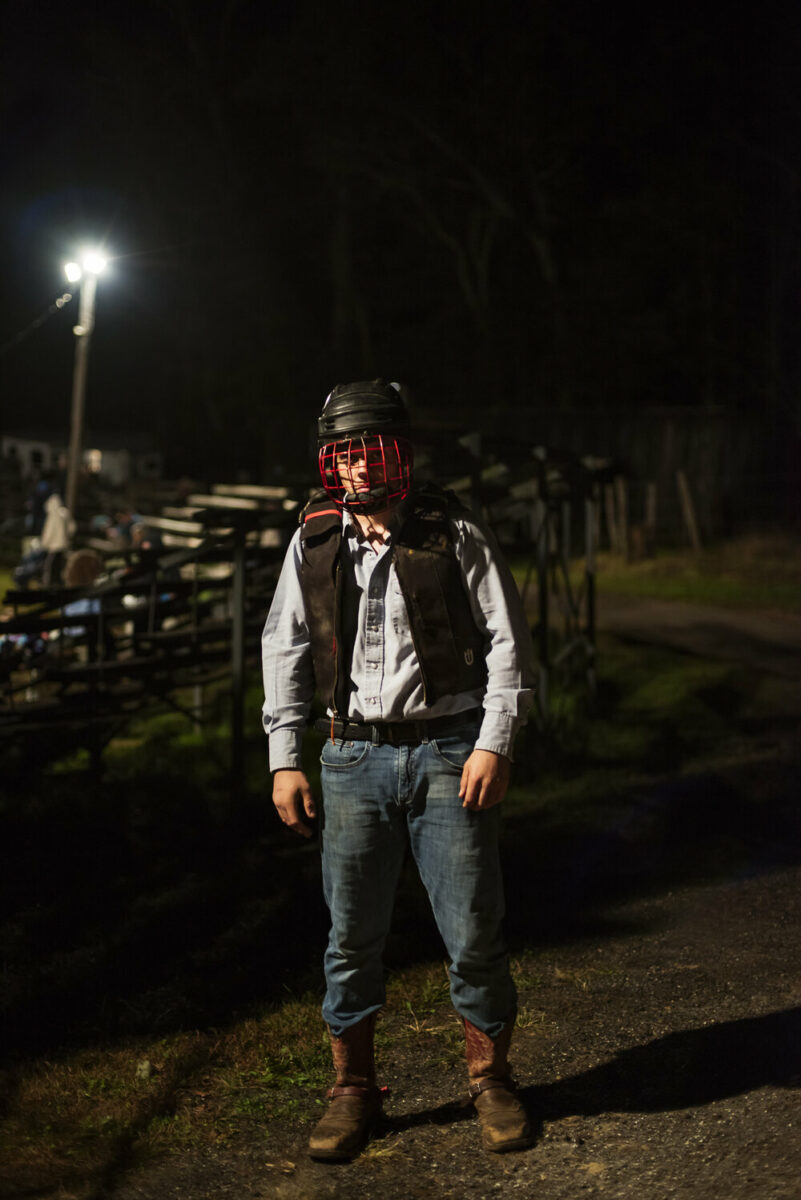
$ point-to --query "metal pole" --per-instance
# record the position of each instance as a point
(83, 332)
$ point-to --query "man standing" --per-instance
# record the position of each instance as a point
(394, 604)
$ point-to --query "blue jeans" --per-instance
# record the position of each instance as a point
(376, 800)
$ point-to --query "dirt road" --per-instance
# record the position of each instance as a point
(764, 640)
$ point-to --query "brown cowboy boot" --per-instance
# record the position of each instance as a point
(504, 1125)
(354, 1101)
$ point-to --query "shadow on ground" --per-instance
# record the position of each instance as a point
(682, 1070)
(688, 828)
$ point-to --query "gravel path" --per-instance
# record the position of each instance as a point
(663, 1061)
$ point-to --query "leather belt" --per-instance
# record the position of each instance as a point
(397, 733)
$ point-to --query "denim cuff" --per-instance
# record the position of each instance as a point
(285, 750)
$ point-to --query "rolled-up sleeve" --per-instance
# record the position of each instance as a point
(509, 651)
(287, 666)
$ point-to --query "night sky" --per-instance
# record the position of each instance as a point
(504, 205)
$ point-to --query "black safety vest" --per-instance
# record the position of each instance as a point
(449, 646)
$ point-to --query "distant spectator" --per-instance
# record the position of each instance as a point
(35, 505)
(30, 565)
(81, 571)
(121, 532)
(56, 536)
(82, 568)
(147, 547)
(148, 544)
(100, 525)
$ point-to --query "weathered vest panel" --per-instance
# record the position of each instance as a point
(448, 644)
(321, 538)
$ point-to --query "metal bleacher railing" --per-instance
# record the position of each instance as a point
(76, 663)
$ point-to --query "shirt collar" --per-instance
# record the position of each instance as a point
(350, 529)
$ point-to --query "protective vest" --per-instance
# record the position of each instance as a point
(446, 639)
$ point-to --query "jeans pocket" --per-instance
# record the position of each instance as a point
(340, 756)
(452, 751)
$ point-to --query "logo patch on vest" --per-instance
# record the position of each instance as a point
(468, 657)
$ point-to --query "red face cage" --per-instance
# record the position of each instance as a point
(366, 474)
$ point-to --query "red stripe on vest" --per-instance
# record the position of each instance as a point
(326, 512)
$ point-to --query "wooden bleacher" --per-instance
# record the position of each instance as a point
(188, 618)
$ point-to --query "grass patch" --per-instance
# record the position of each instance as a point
(749, 572)
(762, 572)
(663, 778)
(654, 711)
(67, 1119)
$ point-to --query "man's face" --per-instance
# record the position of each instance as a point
(366, 474)
(367, 464)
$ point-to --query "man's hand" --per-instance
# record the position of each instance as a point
(293, 797)
(485, 778)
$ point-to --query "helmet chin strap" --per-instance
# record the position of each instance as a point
(365, 502)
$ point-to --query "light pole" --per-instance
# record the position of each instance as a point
(92, 264)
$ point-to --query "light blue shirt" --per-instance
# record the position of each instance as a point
(386, 682)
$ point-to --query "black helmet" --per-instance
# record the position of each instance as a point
(365, 457)
(359, 409)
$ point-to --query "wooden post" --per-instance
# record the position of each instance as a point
(543, 537)
(650, 507)
(590, 514)
(564, 549)
(611, 523)
(688, 510)
(565, 531)
(238, 662)
(197, 708)
(622, 507)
